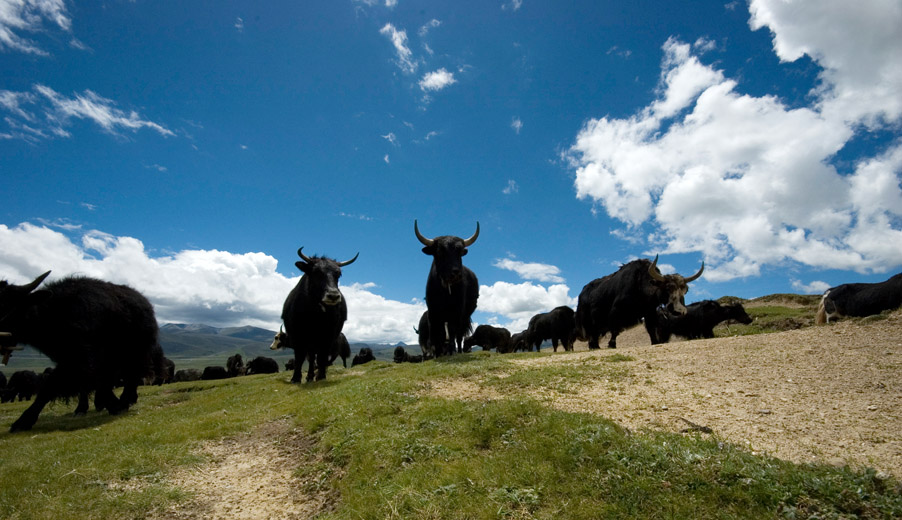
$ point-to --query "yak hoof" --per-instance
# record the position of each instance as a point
(21, 425)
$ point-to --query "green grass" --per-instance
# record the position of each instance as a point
(392, 451)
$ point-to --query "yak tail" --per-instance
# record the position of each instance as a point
(821, 317)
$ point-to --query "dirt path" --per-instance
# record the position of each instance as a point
(253, 477)
(829, 394)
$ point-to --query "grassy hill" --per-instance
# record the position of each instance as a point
(373, 442)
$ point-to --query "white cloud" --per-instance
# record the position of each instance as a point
(747, 180)
(517, 125)
(391, 138)
(432, 24)
(511, 187)
(520, 302)
(391, 3)
(218, 288)
(858, 45)
(514, 5)
(531, 270)
(816, 287)
(399, 41)
(30, 16)
(437, 80)
(239, 24)
(386, 159)
(46, 113)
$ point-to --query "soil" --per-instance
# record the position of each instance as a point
(255, 476)
(819, 394)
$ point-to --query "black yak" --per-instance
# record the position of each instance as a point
(235, 365)
(558, 325)
(621, 299)
(364, 356)
(215, 372)
(699, 320)
(451, 291)
(314, 314)
(489, 337)
(262, 365)
(401, 356)
(860, 299)
(22, 385)
(98, 334)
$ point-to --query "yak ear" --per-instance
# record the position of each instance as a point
(302, 266)
(464, 251)
(429, 250)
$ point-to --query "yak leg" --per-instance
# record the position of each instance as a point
(129, 394)
(554, 343)
(311, 366)
(82, 407)
(322, 363)
(298, 364)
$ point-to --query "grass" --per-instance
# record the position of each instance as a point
(392, 451)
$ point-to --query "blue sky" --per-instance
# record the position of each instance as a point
(189, 148)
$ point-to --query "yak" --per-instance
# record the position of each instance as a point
(621, 299)
(215, 372)
(518, 343)
(489, 337)
(262, 365)
(699, 320)
(557, 325)
(341, 348)
(235, 365)
(22, 385)
(423, 337)
(401, 356)
(859, 299)
(186, 374)
(314, 314)
(98, 334)
(364, 356)
(451, 290)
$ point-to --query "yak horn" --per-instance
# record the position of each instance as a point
(469, 242)
(696, 275)
(348, 262)
(304, 257)
(37, 281)
(425, 241)
(653, 271)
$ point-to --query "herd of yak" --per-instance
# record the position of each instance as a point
(102, 335)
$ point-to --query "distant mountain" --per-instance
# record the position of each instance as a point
(180, 340)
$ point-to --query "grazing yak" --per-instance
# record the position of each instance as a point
(235, 366)
(518, 343)
(859, 299)
(168, 373)
(401, 356)
(699, 320)
(423, 337)
(451, 290)
(558, 325)
(621, 299)
(314, 314)
(98, 334)
(212, 373)
(22, 385)
(489, 337)
(364, 356)
(187, 374)
(262, 365)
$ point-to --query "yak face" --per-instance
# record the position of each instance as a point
(280, 341)
(14, 301)
(322, 278)
(672, 288)
(447, 254)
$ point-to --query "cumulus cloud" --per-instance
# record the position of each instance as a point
(217, 288)
(520, 302)
(437, 80)
(517, 125)
(399, 41)
(815, 287)
(45, 113)
(531, 270)
(30, 16)
(747, 180)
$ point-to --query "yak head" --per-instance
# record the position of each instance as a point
(15, 300)
(280, 341)
(322, 278)
(672, 288)
(447, 254)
